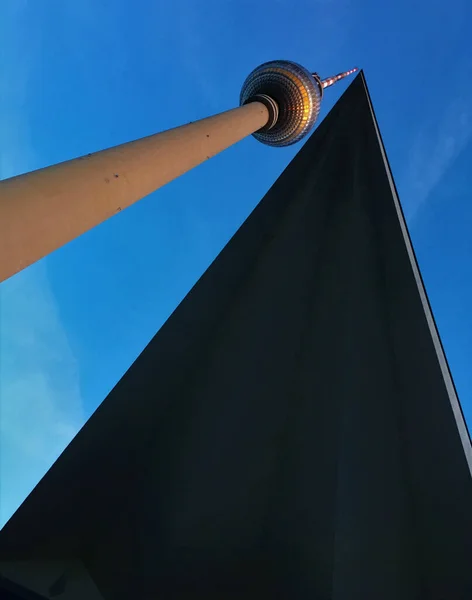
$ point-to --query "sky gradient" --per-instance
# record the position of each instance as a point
(80, 77)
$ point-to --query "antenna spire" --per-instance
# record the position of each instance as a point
(331, 80)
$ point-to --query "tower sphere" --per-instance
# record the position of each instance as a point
(292, 95)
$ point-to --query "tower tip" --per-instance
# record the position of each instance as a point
(332, 80)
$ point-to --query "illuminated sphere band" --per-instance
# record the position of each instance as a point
(296, 95)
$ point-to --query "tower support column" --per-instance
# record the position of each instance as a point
(43, 210)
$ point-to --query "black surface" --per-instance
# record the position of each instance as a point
(287, 433)
(9, 590)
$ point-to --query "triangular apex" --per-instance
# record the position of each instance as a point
(289, 431)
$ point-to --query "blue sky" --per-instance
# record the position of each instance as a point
(76, 77)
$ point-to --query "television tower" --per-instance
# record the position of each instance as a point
(293, 429)
(43, 210)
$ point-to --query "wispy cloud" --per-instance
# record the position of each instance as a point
(435, 148)
(40, 403)
(15, 78)
(194, 42)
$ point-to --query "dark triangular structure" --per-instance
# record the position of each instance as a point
(293, 430)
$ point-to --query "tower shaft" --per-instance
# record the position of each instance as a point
(43, 210)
